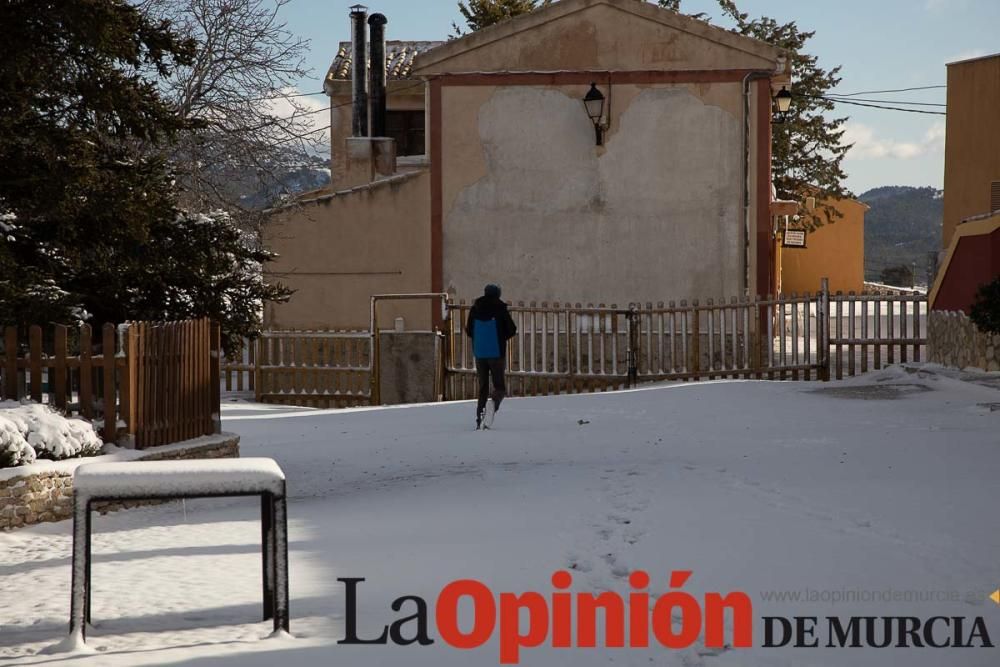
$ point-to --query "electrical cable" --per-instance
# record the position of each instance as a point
(887, 108)
(895, 90)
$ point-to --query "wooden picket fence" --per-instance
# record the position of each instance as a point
(323, 369)
(571, 348)
(144, 383)
(871, 330)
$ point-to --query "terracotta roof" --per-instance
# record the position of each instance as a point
(398, 59)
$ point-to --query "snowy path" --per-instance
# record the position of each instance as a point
(754, 486)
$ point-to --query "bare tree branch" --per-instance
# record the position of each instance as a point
(239, 92)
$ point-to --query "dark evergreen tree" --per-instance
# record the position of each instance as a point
(807, 148)
(985, 312)
(73, 110)
(479, 14)
(897, 276)
(90, 226)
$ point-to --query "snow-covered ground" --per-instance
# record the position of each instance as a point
(884, 484)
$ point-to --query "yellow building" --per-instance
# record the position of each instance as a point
(835, 251)
(971, 237)
(972, 149)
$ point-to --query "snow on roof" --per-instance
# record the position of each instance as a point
(973, 59)
(190, 477)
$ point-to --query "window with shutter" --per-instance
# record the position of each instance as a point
(995, 196)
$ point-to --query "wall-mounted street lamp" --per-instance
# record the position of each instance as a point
(594, 103)
(782, 103)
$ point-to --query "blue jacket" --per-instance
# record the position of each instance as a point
(488, 309)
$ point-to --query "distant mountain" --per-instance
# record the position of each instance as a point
(903, 227)
(310, 174)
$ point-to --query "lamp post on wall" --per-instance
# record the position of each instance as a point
(782, 103)
(593, 101)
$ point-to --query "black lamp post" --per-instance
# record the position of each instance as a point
(594, 103)
(782, 103)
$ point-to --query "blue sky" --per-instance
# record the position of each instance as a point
(881, 44)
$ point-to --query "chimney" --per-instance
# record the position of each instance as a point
(376, 23)
(359, 72)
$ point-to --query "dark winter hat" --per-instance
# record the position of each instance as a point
(492, 290)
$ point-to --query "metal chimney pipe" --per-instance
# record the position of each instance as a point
(359, 72)
(376, 24)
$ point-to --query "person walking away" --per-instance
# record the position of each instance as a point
(489, 326)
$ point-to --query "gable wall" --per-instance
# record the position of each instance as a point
(597, 38)
(526, 199)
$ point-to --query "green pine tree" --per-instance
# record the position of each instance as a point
(89, 224)
(807, 149)
(75, 105)
(479, 14)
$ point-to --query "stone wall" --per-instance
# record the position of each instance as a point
(48, 495)
(953, 340)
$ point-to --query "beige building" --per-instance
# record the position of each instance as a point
(405, 115)
(515, 188)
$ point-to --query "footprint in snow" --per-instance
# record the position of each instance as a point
(633, 535)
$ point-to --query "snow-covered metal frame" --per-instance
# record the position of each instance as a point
(201, 479)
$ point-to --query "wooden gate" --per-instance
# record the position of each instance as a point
(323, 369)
(172, 395)
(870, 331)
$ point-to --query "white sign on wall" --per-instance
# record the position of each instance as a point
(794, 238)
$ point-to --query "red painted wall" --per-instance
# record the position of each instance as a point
(976, 260)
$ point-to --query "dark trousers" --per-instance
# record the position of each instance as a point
(485, 369)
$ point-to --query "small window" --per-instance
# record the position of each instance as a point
(407, 128)
(995, 196)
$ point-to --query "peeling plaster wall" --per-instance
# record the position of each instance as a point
(530, 202)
